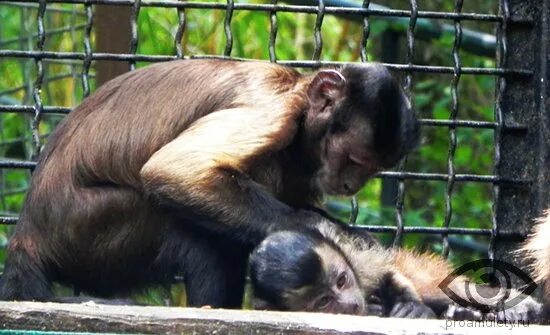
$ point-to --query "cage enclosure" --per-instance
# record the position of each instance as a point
(476, 73)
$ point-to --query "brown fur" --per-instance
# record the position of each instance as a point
(25, 243)
(434, 270)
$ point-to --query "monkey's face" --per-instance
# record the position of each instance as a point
(349, 159)
(368, 125)
(294, 272)
(336, 290)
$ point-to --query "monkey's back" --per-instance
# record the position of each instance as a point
(129, 118)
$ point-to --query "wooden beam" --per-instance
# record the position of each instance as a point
(90, 317)
(113, 34)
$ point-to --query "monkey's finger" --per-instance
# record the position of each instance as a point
(454, 312)
(374, 299)
(412, 310)
(527, 310)
(401, 310)
(374, 310)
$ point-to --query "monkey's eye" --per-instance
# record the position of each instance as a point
(356, 160)
(342, 279)
(486, 298)
(323, 302)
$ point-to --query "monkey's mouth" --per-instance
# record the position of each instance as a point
(349, 190)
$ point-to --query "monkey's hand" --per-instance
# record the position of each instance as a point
(375, 306)
(526, 310)
(455, 312)
(411, 310)
(318, 221)
(375, 310)
(335, 230)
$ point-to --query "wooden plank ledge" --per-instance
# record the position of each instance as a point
(90, 317)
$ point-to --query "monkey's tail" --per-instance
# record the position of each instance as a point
(24, 278)
(537, 250)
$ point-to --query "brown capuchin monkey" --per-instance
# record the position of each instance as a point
(341, 273)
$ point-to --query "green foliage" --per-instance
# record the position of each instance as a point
(424, 201)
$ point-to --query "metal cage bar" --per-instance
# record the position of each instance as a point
(452, 130)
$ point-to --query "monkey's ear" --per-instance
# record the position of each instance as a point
(326, 86)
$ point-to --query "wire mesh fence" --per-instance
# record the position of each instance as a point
(473, 77)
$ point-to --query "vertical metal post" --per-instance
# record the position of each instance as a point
(524, 101)
(541, 77)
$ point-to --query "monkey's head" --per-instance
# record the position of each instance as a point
(363, 121)
(295, 272)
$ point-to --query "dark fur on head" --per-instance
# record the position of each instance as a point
(275, 269)
(397, 131)
(358, 124)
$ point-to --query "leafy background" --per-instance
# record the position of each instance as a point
(204, 34)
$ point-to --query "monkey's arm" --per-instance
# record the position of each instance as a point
(401, 299)
(204, 171)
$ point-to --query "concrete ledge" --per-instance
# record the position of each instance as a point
(91, 317)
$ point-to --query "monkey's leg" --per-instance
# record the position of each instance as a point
(213, 267)
(218, 279)
(24, 277)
